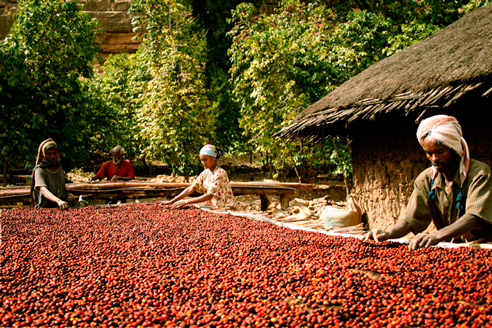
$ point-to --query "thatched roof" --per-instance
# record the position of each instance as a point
(433, 73)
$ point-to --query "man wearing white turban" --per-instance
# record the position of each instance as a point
(455, 192)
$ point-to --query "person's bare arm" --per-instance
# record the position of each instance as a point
(48, 195)
(196, 200)
(188, 191)
(401, 229)
(463, 225)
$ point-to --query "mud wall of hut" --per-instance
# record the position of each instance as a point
(387, 158)
(385, 161)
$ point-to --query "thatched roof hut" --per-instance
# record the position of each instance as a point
(432, 74)
(449, 72)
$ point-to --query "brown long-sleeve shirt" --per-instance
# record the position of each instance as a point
(477, 195)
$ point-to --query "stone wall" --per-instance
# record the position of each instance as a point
(114, 19)
(112, 15)
(7, 9)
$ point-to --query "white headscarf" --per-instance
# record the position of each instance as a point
(211, 150)
(446, 130)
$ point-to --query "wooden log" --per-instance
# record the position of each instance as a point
(135, 184)
(464, 90)
(260, 190)
(101, 186)
(487, 93)
(20, 177)
(430, 96)
(127, 190)
(134, 194)
(454, 99)
(295, 185)
(404, 95)
(421, 115)
(129, 184)
(26, 200)
(246, 190)
(15, 191)
(284, 200)
(414, 105)
(435, 96)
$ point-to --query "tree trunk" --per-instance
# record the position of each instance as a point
(364, 5)
(347, 189)
(5, 170)
(144, 163)
(295, 167)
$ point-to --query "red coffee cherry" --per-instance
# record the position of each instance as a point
(149, 265)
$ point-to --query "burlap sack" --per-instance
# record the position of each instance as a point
(336, 218)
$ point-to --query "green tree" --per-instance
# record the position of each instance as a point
(364, 39)
(284, 62)
(435, 12)
(51, 45)
(119, 93)
(277, 66)
(176, 117)
(213, 16)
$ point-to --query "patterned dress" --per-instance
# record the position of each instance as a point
(217, 184)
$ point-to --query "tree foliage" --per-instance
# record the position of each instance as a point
(435, 12)
(213, 16)
(119, 91)
(282, 63)
(176, 117)
(51, 45)
(183, 88)
(364, 39)
(277, 66)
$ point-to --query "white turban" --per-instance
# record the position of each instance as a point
(208, 150)
(447, 131)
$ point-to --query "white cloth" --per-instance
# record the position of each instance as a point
(446, 130)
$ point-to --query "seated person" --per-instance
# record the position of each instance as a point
(213, 183)
(48, 187)
(117, 169)
(454, 193)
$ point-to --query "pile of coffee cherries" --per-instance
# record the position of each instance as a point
(148, 265)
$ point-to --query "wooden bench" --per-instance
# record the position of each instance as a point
(264, 192)
(142, 189)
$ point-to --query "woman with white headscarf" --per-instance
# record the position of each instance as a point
(213, 183)
(455, 193)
